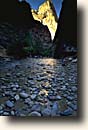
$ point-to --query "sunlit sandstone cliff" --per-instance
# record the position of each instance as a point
(46, 14)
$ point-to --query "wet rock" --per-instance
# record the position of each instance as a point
(60, 79)
(24, 95)
(58, 97)
(55, 109)
(53, 98)
(12, 113)
(27, 101)
(36, 107)
(33, 96)
(18, 75)
(41, 78)
(49, 71)
(74, 89)
(31, 82)
(8, 75)
(3, 87)
(35, 114)
(9, 104)
(63, 88)
(3, 94)
(66, 84)
(14, 89)
(14, 86)
(7, 93)
(6, 114)
(17, 97)
(1, 108)
(70, 58)
(22, 115)
(53, 90)
(74, 107)
(70, 98)
(30, 78)
(34, 89)
(31, 103)
(67, 112)
(1, 112)
(46, 112)
(74, 61)
(65, 95)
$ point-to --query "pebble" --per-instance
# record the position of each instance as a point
(67, 112)
(74, 61)
(8, 74)
(3, 87)
(41, 78)
(55, 109)
(18, 75)
(46, 112)
(1, 111)
(31, 82)
(33, 96)
(17, 97)
(7, 93)
(49, 71)
(53, 98)
(58, 97)
(6, 114)
(22, 115)
(54, 82)
(70, 58)
(14, 86)
(63, 88)
(24, 95)
(34, 89)
(70, 98)
(9, 104)
(14, 89)
(74, 107)
(35, 114)
(27, 101)
(1, 108)
(30, 78)
(74, 89)
(65, 95)
(12, 113)
(36, 107)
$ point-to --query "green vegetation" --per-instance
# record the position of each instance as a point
(29, 46)
(32, 46)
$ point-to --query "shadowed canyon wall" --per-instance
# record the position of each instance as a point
(67, 26)
(15, 12)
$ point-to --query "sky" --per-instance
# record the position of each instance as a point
(35, 4)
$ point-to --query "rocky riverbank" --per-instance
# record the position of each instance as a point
(38, 87)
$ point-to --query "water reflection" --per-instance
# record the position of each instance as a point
(49, 61)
